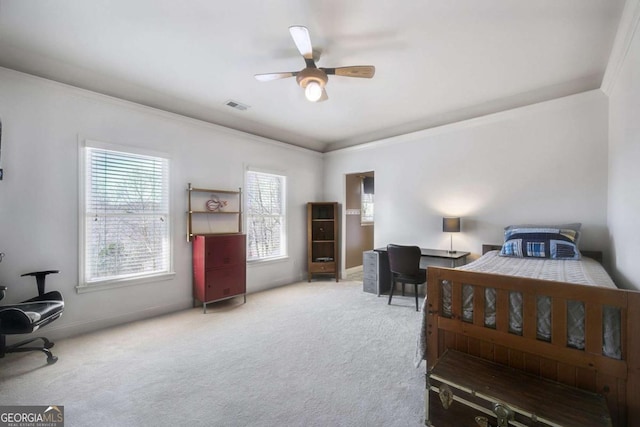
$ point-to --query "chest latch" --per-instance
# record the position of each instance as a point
(503, 413)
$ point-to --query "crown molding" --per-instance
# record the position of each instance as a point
(629, 23)
(167, 115)
(421, 135)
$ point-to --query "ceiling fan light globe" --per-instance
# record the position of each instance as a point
(313, 91)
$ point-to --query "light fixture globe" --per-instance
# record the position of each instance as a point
(313, 91)
(313, 81)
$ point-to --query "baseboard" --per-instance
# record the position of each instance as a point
(55, 332)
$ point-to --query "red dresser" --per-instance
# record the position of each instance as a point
(219, 267)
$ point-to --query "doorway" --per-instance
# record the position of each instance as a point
(359, 222)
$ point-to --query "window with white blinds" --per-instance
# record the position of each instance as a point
(366, 198)
(266, 215)
(126, 223)
(366, 211)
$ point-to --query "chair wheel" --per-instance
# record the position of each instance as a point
(51, 360)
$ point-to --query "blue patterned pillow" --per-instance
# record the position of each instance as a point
(541, 242)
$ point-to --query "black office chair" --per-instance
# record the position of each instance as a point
(29, 316)
(404, 263)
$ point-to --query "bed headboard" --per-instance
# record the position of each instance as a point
(597, 255)
(488, 248)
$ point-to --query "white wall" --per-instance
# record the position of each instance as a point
(41, 123)
(624, 156)
(538, 164)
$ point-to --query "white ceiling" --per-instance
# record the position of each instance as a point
(437, 61)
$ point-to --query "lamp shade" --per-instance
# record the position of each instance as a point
(451, 225)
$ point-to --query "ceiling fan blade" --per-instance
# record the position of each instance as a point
(302, 40)
(275, 76)
(362, 71)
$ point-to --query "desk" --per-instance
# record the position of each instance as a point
(377, 276)
(456, 258)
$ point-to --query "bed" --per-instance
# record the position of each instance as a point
(530, 323)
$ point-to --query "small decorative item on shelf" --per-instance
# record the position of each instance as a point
(321, 233)
(215, 204)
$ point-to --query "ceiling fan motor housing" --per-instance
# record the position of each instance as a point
(309, 75)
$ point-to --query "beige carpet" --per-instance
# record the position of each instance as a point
(355, 274)
(308, 354)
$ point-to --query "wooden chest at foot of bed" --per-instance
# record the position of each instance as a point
(467, 391)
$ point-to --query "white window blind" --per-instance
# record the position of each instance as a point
(366, 216)
(266, 216)
(366, 194)
(126, 215)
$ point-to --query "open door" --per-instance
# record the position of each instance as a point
(359, 223)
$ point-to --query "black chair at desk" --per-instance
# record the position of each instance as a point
(404, 263)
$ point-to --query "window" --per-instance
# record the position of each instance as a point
(126, 231)
(366, 201)
(266, 215)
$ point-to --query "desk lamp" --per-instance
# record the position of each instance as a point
(451, 225)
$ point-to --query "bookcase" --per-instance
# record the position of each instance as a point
(211, 211)
(214, 226)
(322, 239)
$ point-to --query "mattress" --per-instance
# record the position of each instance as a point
(585, 272)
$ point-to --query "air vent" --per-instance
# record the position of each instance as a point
(237, 105)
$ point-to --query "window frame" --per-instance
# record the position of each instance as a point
(116, 282)
(284, 238)
(363, 220)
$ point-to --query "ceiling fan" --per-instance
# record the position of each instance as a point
(311, 78)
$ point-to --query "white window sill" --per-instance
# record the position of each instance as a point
(120, 283)
(257, 262)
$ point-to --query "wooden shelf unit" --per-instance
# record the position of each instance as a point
(199, 195)
(219, 255)
(322, 239)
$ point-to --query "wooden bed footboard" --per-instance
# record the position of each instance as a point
(589, 369)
